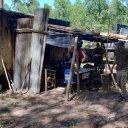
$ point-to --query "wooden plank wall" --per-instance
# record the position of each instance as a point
(57, 53)
(5, 42)
(22, 54)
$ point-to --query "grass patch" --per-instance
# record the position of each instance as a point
(73, 125)
(7, 122)
(4, 110)
(3, 123)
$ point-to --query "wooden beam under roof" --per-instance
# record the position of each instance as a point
(112, 35)
(72, 30)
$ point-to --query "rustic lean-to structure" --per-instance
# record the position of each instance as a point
(24, 45)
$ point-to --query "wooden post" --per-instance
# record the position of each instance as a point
(38, 49)
(111, 73)
(5, 42)
(54, 80)
(78, 74)
(112, 35)
(6, 74)
(1, 4)
(46, 85)
(105, 82)
(71, 69)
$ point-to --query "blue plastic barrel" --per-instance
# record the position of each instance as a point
(66, 76)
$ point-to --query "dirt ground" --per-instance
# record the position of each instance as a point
(48, 110)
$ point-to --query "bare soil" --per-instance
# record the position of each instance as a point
(48, 110)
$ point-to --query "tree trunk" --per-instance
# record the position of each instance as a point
(38, 49)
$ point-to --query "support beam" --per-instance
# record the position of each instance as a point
(71, 69)
(38, 49)
(112, 35)
(78, 74)
(1, 3)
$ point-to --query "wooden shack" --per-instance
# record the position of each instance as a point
(15, 42)
(8, 22)
(11, 51)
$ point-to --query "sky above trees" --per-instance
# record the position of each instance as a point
(42, 2)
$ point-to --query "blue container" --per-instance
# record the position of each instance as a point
(68, 66)
(66, 76)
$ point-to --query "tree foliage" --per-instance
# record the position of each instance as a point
(84, 14)
(26, 6)
(92, 14)
(62, 9)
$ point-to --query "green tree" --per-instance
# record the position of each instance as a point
(97, 14)
(26, 6)
(32, 5)
(84, 14)
(119, 13)
(6, 7)
(62, 8)
(47, 6)
(50, 9)
(78, 15)
(125, 2)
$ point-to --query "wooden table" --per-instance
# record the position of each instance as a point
(85, 74)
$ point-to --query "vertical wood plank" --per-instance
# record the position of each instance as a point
(71, 69)
(1, 3)
(38, 49)
(5, 42)
(105, 82)
(46, 85)
(22, 54)
(78, 74)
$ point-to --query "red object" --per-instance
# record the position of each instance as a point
(81, 56)
(83, 85)
(94, 89)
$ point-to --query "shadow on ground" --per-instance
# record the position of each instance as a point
(48, 110)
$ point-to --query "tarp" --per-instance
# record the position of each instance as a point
(62, 40)
(122, 29)
(59, 41)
